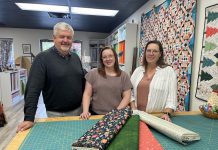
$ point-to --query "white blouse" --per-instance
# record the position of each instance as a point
(162, 90)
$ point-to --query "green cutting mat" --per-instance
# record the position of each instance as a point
(61, 135)
(55, 135)
(207, 128)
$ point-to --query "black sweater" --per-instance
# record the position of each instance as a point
(60, 79)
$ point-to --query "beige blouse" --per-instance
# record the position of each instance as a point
(143, 90)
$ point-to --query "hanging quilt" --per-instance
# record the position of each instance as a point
(173, 23)
(208, 73)
(6, 53)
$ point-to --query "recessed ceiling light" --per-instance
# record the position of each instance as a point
(65, 9)
(43, 7)
(93, 11)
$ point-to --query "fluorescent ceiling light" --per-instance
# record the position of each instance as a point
(43, 7)
(65, 9)
(93, 11)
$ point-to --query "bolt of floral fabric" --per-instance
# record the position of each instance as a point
(101, 134)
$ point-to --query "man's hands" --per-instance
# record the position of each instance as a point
(24, 126)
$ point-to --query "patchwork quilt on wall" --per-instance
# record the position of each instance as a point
(173, 24)
(6, 53)
(208, 73)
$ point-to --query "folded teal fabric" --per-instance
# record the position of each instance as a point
(128, 137)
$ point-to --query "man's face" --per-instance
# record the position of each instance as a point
(63, 41)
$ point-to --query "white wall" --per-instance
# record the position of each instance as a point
(32, 36)
(201, 4)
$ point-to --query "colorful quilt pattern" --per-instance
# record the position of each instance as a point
(6, 53)
(208, 73)
(173, 24)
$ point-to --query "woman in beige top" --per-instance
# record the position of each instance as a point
(107, 87)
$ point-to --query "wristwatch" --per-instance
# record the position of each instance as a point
(167, 113)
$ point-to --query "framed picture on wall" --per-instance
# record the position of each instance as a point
(26, 48)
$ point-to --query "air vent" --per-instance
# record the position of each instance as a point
(59, 15)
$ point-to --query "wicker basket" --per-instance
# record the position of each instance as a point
(208, 114)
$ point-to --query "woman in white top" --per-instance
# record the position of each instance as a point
(154, 83)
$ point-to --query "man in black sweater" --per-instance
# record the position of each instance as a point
(58, 73)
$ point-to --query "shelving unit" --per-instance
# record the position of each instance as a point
(12, 84)
(95, 45)
(123, 40)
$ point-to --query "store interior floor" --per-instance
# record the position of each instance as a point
(14, 116)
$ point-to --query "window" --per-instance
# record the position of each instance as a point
(46, 44)
(76, 48)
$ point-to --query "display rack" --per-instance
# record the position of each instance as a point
(123, 40)
(95, 45)
(12, 85)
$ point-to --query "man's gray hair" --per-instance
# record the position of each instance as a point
(62, 26)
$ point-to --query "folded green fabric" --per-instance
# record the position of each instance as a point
(128, 137)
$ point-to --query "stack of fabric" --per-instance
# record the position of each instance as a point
(133, 133)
